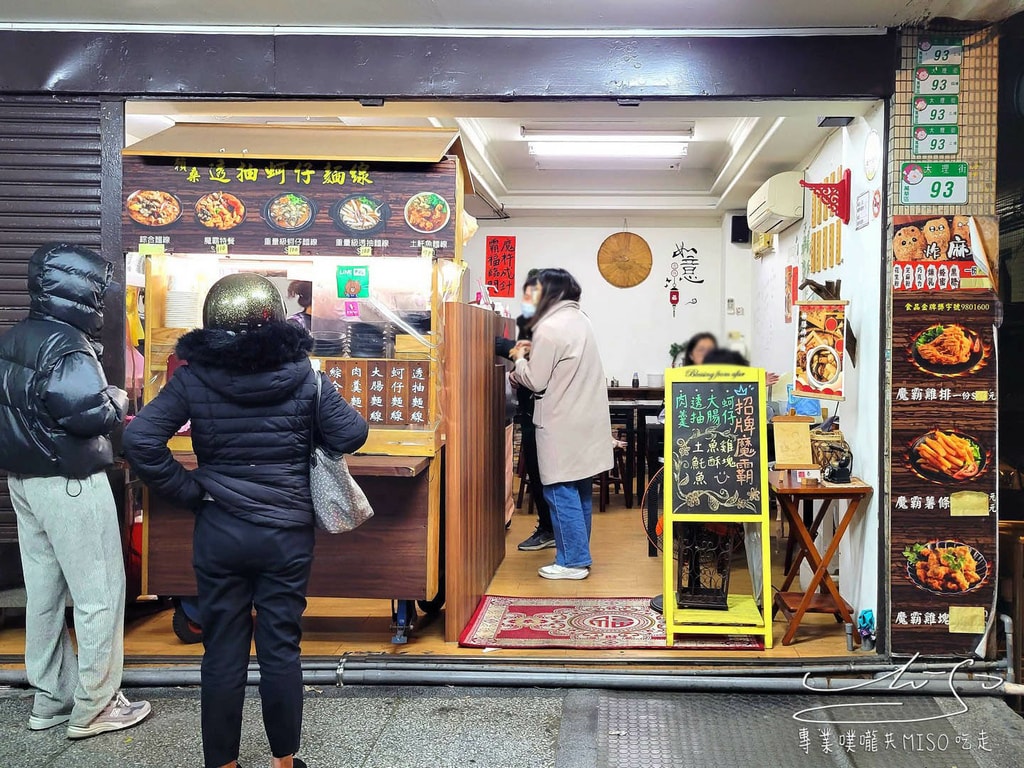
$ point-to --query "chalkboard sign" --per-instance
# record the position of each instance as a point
(716, 440)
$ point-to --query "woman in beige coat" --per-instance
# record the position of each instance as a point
(570, 414)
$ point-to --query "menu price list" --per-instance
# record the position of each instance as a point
(715, 427)
(387, 393)
(944, 471)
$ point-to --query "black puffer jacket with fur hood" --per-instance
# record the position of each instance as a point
(249, 398)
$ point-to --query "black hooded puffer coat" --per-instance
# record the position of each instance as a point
(249, 397)
(56, 409)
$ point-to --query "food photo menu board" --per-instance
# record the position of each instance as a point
(289, 207)
(943, 253)
(820, 350)
(943, 526)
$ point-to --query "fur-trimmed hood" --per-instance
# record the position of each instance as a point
(260, 366)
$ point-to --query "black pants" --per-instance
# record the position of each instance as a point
(528, 445)
(240, 565)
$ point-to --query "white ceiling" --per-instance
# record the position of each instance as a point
(516, 15)
(735, 147)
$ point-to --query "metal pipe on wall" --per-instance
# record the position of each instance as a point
(171, 677)
(517, 678)
(671, 683)
(853, 668)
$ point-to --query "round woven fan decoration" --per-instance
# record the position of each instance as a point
(624, 259)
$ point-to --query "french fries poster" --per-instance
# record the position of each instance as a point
(820, 349)
(943, 503)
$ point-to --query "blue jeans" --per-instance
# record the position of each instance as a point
(571, 505)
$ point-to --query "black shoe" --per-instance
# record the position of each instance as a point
(298, 762)
(539, 540)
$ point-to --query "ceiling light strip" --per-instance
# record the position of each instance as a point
(609, 149)
(565, 134)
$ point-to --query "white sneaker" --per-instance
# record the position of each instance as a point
(117, 715)
(555, 571)
(41, 723)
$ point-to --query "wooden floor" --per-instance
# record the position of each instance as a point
(621, 569)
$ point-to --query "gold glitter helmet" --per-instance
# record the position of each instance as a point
(242, 302)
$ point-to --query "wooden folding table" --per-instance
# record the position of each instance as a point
(790, 493)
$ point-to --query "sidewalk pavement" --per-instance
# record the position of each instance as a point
(450, 727)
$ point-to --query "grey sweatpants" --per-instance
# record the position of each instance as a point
(70, 546)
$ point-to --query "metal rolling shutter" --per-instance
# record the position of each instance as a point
(50, 173)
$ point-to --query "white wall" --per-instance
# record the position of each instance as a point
(738, 271)
(861, 277)
(634, 326)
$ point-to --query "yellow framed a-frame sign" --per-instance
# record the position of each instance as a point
(716, 471)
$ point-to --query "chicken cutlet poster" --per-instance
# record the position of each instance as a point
(943, 514)
(820, 349)
(943, 253)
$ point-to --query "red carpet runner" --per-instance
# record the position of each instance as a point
(593, 623)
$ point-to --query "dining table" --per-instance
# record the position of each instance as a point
(631, 417)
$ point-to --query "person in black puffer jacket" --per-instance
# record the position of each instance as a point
(248, 390)
(56, 415)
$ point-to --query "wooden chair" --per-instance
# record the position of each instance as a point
(613, 477)
(524, 483)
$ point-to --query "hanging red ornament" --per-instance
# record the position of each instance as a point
(835, 196)
(673, 299)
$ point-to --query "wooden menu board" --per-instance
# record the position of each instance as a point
(377, 392)
(397, 392)
(944, 525)
(389, 393)
(236, 206)
(715, 424)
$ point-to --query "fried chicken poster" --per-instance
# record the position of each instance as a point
(820, 349)
(943, 253)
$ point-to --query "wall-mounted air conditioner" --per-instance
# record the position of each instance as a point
(778, 204)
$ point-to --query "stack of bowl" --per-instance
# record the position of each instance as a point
(366, 340)
(182, 309)
(328, 343)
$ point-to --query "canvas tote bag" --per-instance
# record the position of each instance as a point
(338, 501)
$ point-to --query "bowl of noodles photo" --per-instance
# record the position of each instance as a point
(361, 215)
(427, 212)
(153, 207)
(220, 211)
(289, 212)
(945, 567)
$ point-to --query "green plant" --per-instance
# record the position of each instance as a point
(675, 350)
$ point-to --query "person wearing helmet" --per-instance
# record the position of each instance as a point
(56, 416)
(248, 389)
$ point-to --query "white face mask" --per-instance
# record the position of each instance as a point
(529, 310)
